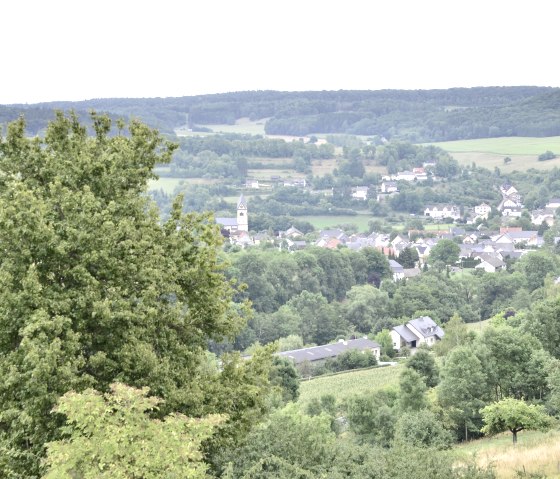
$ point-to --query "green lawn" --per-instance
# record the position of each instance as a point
(344, 385)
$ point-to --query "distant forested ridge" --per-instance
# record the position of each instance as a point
(413, 115)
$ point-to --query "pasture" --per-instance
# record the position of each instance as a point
(345, 385)
(490, 152)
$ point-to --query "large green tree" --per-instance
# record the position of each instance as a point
(96, 289)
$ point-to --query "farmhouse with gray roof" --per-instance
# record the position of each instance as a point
(330, 351)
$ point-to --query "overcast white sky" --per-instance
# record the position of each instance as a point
(77, 50)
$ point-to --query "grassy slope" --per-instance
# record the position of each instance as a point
(534, 452)
(349, 384)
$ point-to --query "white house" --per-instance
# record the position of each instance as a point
(396, 269)
(482, 210)
(417, 331)
(442, 211)
(360, 193)
(406, 176)
(540, 216)
(389, 187)
(553, 204)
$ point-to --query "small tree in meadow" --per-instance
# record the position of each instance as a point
(513, 415)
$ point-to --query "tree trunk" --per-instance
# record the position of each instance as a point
(466, 432)
(514, 436)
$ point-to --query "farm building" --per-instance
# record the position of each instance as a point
(317, 354)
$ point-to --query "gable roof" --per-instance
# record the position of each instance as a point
(426, 326)
(326, 351)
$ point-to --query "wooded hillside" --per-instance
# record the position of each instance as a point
(414, 115)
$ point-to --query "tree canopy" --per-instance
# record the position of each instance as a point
(96, 289)
(513, 415)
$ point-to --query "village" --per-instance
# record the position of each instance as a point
(480, 247)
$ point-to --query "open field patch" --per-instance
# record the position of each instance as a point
(490, 152)
(535, 452)
(241, 126)
(326, 221)
(168, 184)
(345, 385)
(266, 174)
(514, 145)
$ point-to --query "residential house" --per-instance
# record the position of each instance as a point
(252, 184)
(422, 330)
(482, 210)
(420, 173)
(405, 176)
(360, 193)
(389, 187)
(489, 262)
(396, 269)
(538, 217)
(442, 211)
(553, 204)
(506, 189)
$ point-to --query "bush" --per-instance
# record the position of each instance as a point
(547, 155)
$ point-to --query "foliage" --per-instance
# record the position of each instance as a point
(463, 389)
(113, 436)
(353, 359)
(424, 364)
(422, 429)
(547, 155)
(514, 415)
(412, 391)
(95, 288)
(371, 417)
(284, 375)
(446, 251)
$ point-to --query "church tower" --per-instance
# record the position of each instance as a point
(242, 218)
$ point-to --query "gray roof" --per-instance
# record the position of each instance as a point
(405, 333)
(395, 266)
(227, 221)
(326, 351)
(427, 326)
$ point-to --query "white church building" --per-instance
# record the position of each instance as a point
(239, 223)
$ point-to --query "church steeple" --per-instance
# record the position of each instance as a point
(242, 217)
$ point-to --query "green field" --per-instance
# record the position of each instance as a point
(326, 221)
(490, 152)
(344, 385)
